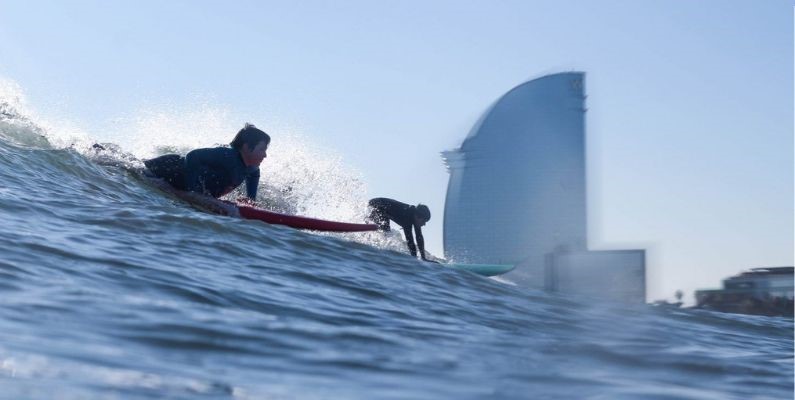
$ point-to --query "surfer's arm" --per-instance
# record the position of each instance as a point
(410, 241)
(252, 182)
(197, 199)
(208, 203)
(420, 241)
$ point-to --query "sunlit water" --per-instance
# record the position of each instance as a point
(111, 290)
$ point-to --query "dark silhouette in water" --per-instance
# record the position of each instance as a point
(382, 210)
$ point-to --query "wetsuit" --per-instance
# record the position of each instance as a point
(382, 210)
(213, 172)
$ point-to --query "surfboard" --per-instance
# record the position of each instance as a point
(484, 269)
(298, 222)
(251, 212)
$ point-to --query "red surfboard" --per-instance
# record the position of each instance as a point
(250, 212)
(294, 221)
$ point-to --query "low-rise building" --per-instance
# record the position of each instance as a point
(760, 291)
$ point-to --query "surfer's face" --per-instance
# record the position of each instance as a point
(253, 157)
(419, 221)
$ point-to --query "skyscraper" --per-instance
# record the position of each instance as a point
(517, 190)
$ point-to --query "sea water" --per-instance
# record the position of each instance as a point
(110, 289)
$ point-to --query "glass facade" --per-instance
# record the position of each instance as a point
(517, 195)
(517, 183)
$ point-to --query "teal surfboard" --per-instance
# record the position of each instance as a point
(484, 269)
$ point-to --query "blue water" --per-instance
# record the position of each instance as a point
(111, 290)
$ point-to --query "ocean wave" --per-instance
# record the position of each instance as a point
(110, 289)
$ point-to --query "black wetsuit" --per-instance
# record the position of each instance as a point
(382, 210)
(214, 171)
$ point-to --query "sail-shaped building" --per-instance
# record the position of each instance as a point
(517, 191)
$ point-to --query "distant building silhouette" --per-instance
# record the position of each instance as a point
(761, 291)
(517, 194)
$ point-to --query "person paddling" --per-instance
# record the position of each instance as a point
(215, 172)
(382, 210)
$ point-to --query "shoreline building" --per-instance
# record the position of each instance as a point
(760, 291)
(517, 195)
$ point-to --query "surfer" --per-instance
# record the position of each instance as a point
(204, 175)
(382, 210)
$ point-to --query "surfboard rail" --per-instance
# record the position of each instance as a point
(248, 211)
(484, 269)
(299, 222)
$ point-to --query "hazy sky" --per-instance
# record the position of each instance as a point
(690, 103)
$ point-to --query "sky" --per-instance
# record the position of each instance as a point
(690, 103)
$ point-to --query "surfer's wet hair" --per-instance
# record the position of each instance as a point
(250, 135)
(423, 212)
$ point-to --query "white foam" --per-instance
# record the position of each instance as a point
(299, 175)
